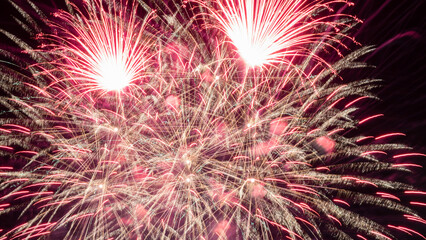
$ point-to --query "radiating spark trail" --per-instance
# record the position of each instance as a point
(105, 50)
(271, 32)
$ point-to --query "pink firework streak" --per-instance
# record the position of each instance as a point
(190, 151)
(100, 51)
(272, 32)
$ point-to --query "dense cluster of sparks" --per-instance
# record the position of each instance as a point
(196, 120)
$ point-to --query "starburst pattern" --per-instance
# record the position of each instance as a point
(123, 127)
(268, 32)
(99, 49)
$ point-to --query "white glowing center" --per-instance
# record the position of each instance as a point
(254, 53)
(112, 74)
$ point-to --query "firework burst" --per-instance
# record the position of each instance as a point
(99, 50)
(197, 147)
(268, 32)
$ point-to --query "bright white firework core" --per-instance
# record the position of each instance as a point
(112, 74)
(253, 54)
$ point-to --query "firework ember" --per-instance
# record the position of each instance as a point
(194, 120)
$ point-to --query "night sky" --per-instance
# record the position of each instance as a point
(398, 29)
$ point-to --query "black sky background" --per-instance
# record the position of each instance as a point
(398, 29)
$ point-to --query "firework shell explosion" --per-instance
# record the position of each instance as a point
(220, 119)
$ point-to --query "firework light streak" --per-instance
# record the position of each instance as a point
(268, 32)
(103, 50)
(190, 151)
